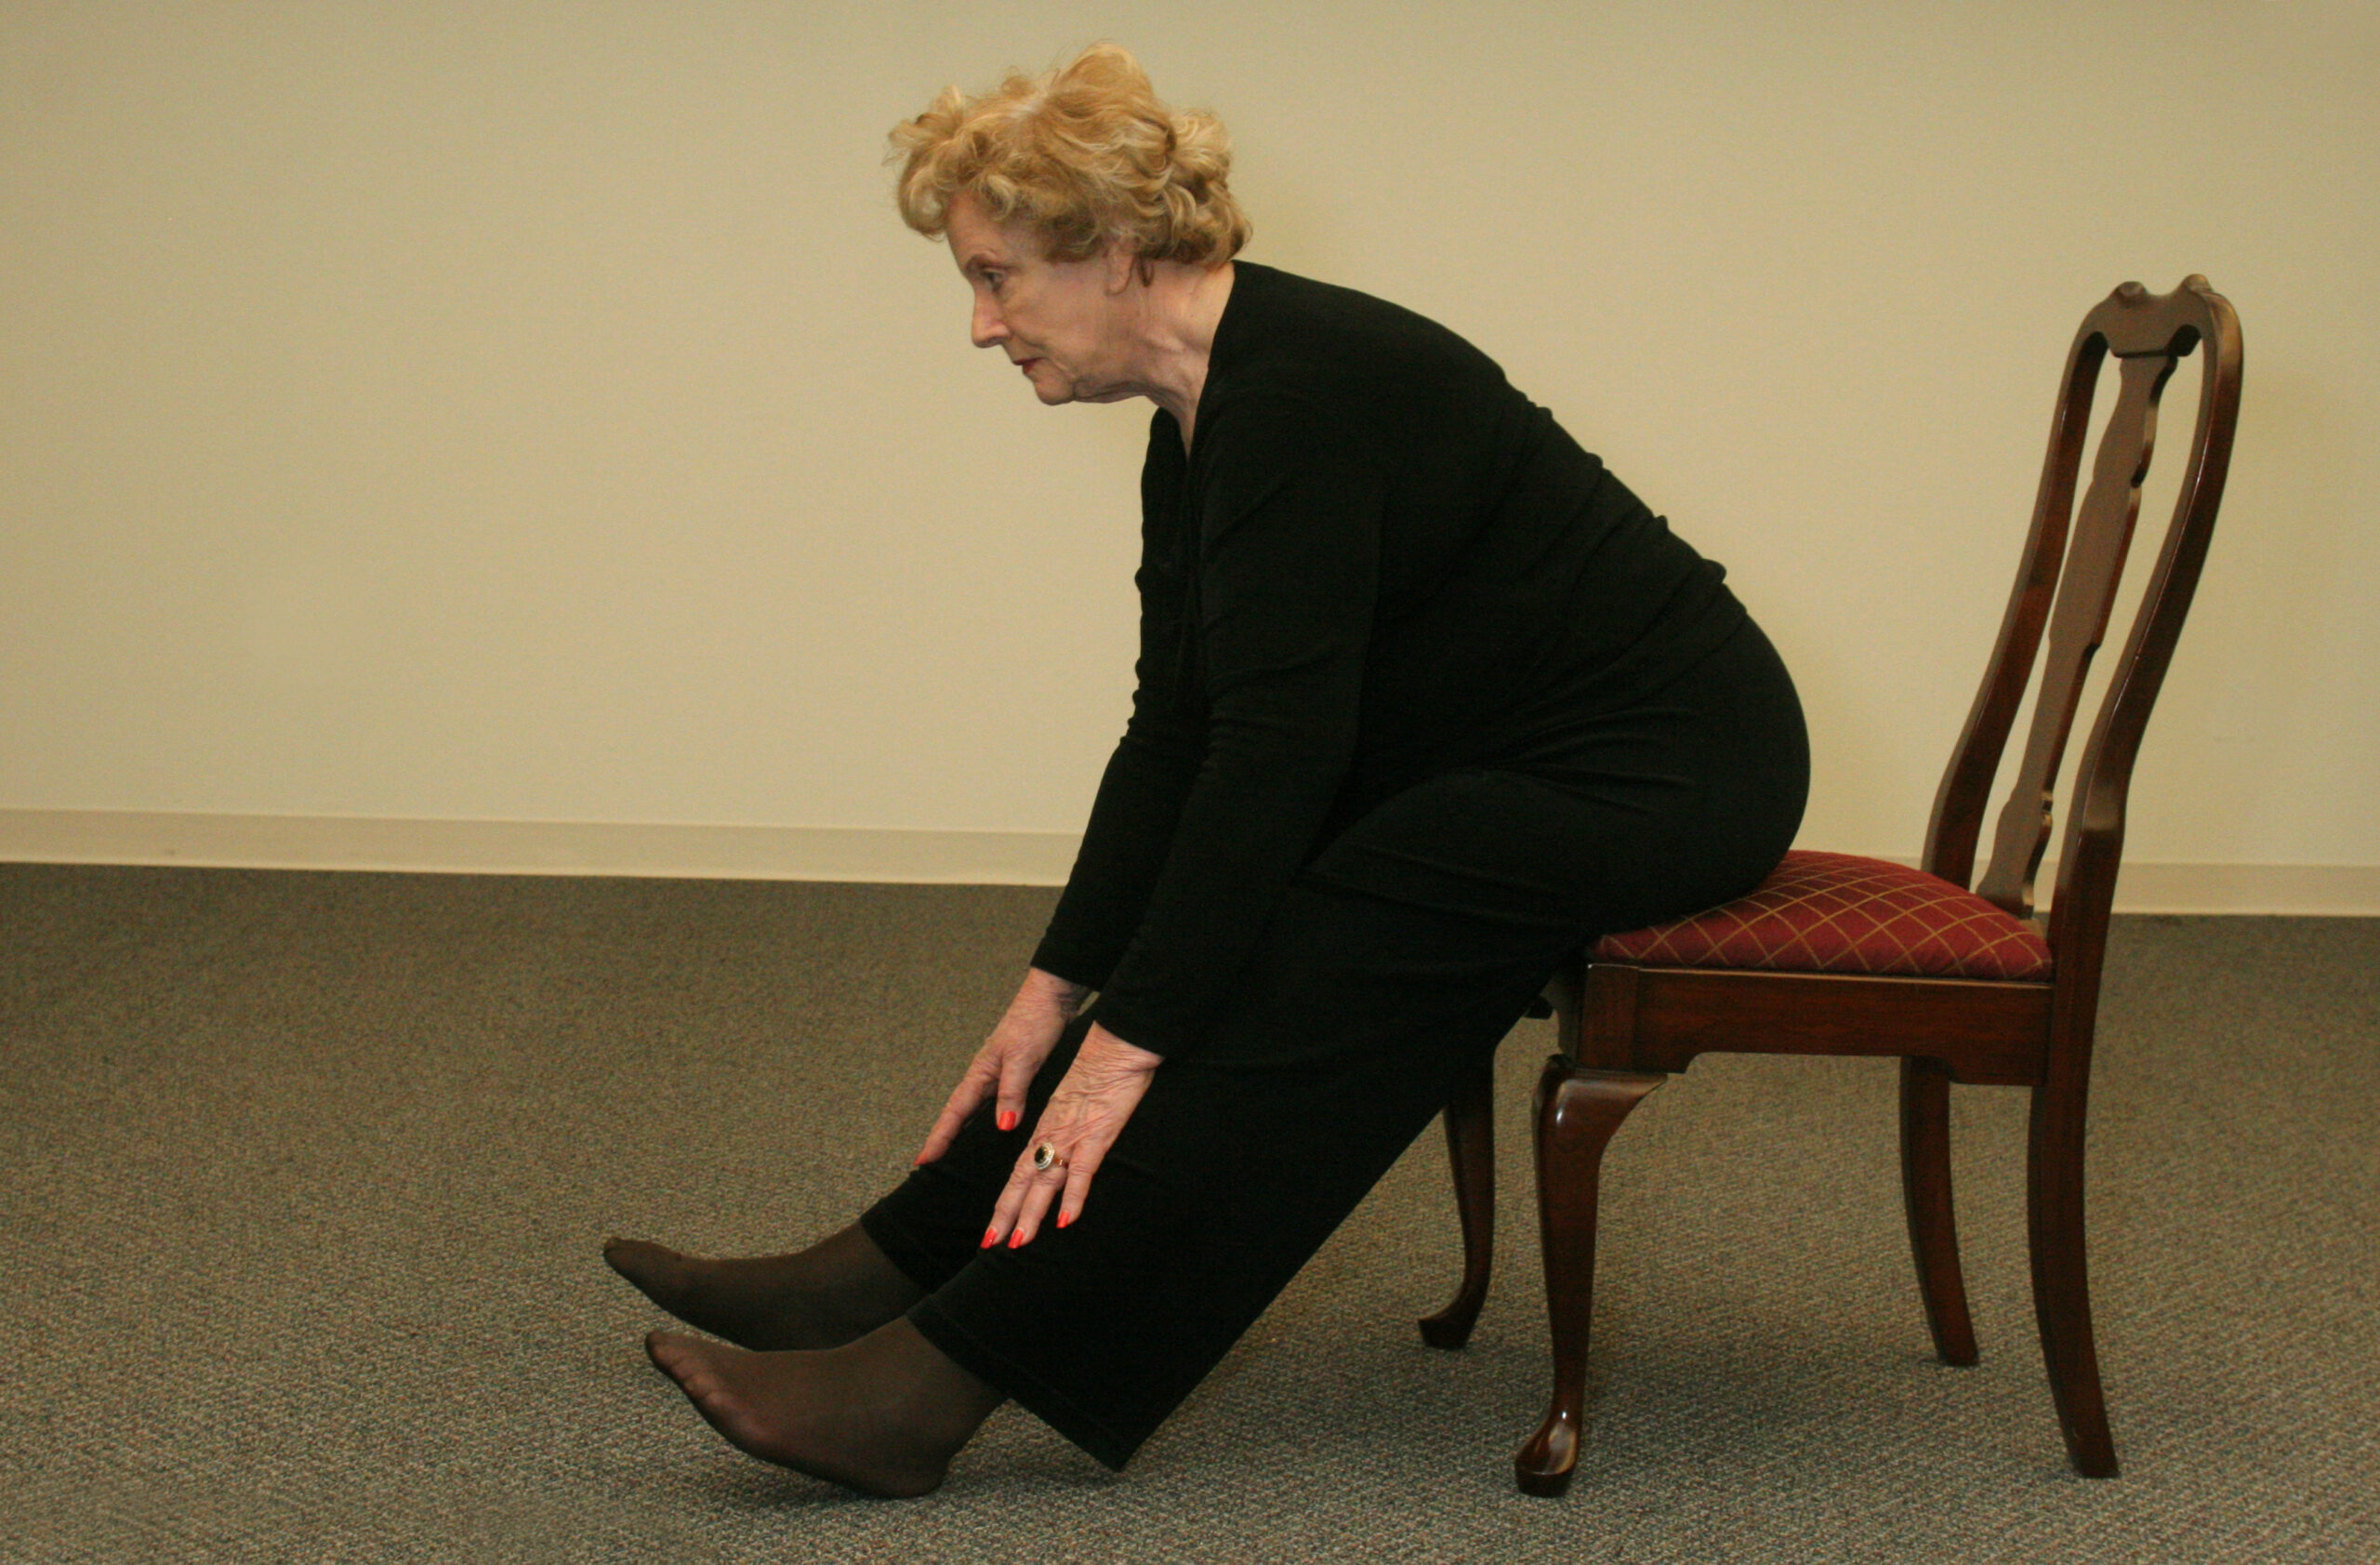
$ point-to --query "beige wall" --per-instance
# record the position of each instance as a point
(533, 413)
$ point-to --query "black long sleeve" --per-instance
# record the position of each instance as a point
(1284, 579)
(1141, 794)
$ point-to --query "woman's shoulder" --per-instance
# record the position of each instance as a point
(1293, 333)
(1312, 367)
(1284, 323)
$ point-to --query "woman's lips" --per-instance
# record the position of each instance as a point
(1026, 363)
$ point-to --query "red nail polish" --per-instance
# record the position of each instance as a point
(1064, 1218)
(1016, 1238)
(1008, 1118)
(991, 1237)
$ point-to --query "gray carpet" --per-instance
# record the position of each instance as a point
(305, 1175)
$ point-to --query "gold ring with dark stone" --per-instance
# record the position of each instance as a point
(1045, 1157)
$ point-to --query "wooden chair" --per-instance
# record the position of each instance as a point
(1840, 955)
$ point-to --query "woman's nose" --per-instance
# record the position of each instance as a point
(986, 328)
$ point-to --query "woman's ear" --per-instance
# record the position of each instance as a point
(1123, 265)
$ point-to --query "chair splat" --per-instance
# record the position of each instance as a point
(2086, 591)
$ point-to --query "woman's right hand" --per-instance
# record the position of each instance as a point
(1004, 1066)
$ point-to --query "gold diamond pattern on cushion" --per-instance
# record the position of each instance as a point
(1836, 912)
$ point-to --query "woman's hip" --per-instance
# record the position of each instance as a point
(1680, 801)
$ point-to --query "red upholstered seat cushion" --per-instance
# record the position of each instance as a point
(1836, 912)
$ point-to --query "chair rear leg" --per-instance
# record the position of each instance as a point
(1471, 1148)
(1926, 1195)
(2061, 1284)
(1578, 1109)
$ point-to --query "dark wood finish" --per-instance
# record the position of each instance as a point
(2086, 594)
(1578, 1109)
(1471, 1147)
(2142, 329)
(2061, 1282)
(1980, 1032)
(1615, 1022)
(1925, 1199)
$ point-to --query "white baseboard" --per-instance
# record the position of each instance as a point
(795, 853)
(2167, 886)
(524, 847)
(2341, 890)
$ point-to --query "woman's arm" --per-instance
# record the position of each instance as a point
(1128, 834)
(1289, 572)
(1289, 576)
(1148, 778)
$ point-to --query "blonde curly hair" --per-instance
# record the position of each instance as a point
(1086, 155)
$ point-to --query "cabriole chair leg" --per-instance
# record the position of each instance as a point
(1578, 1109)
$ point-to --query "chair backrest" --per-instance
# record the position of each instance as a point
(2148, 334)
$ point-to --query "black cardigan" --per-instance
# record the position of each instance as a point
(1378, 562)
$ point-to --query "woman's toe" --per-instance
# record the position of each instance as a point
(632, 1257)
(695, 1365)
(670, 1353)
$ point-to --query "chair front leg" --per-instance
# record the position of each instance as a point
(1471, 1148)
(1578, 1109)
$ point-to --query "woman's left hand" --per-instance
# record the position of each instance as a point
(1079, 1123)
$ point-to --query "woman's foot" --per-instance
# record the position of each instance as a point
(884, 1415)
(836, 1292)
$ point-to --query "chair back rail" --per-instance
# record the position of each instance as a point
(2075, 563)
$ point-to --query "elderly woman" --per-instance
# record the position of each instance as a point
(1425, 699)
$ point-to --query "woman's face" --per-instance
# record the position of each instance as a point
(1062, 323)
